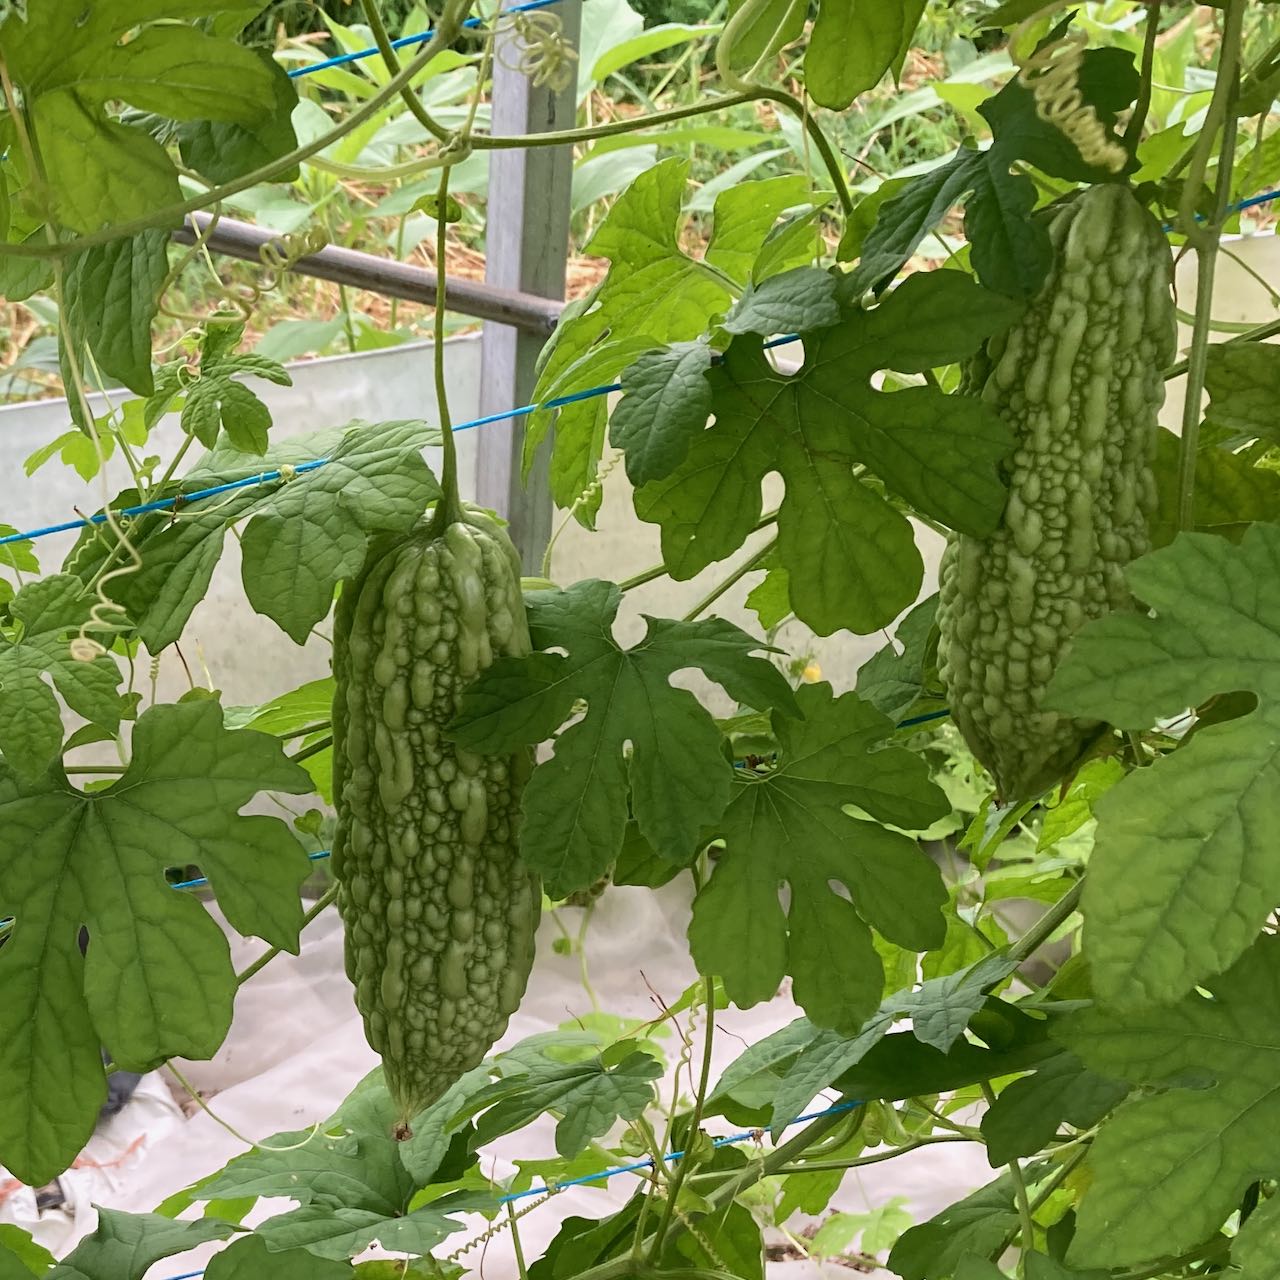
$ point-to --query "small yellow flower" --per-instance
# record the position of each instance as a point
(811, 674)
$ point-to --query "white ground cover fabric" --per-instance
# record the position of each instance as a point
(297, 1048)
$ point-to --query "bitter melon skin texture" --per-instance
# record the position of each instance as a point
(439, 911)
(1079, 382)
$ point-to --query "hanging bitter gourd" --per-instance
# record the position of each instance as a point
(438, 909)
(1079, 382)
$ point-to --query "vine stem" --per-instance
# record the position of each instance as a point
(1221, 113)
(407, 95)
(1133, 133)
(750, 563)
(858, 1162)
(313, 750)
(757, 93)
(695, 1122)
(769, 1164)
(321, 903)
(449, 509)
(1047, 925)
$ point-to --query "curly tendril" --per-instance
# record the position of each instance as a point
(544, 55)
(1052, 73)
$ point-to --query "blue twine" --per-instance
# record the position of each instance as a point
(551, 1189)
(266, 477)
(405, 41)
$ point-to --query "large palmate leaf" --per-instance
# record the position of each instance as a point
(1231, 491)
(157, 980)
(305, 531)
(1172, 1164)
(47, 614)
(935, 1250)
(676, 771)
(1010, 250)
(788, 826)
(72, 62)
(654, 294)
(940, 1010)
(126, 1245)
(849, 553)
(1185, 867)
(352, 1181)
(587, 1098)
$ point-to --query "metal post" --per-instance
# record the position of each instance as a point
(526, 247)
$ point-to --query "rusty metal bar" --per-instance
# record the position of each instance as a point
(524, 311)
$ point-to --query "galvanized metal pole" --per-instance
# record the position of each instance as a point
(526, 246)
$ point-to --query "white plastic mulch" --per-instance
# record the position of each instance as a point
(297, 1049)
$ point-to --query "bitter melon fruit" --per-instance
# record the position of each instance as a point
(439, 912)
(1079, 382)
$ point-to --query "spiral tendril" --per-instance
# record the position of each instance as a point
(543, 54)
(1052, 73)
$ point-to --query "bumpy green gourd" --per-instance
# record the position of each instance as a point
(1079, 381)
(439, 911)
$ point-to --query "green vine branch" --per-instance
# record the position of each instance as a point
(1220, 115)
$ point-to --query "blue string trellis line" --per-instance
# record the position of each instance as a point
(405, 42)
(638, 1166)
(267, 477)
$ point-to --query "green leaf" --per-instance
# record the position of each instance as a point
(126, 1245)
(1231, 492)
(771, 28)
(1170, 1166)
(110, 297)
(850, 555)
(223, 151)
(1065, 814)
(939, 1010)
(47, 615)
(587, 1097)
(350, 1179)
(71, 64)
(892, 680)
(745, 219)
(309, 704)
(653, 290)
(1010, 249)
(304, 534)
(789, 825)
(665, 35)
(1184, 870)
(771, 598)
(215, 402)
(1027, 1114)
(157, 981)
(345, 1231)
(250, 1259)
(854, 43)
(1243, 381)
(20, 1255)
(934, 1250)
(1255, 1253)
(802, 298)
(653, 294)
(729, 1238)
(666, 402)
(575, 804)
